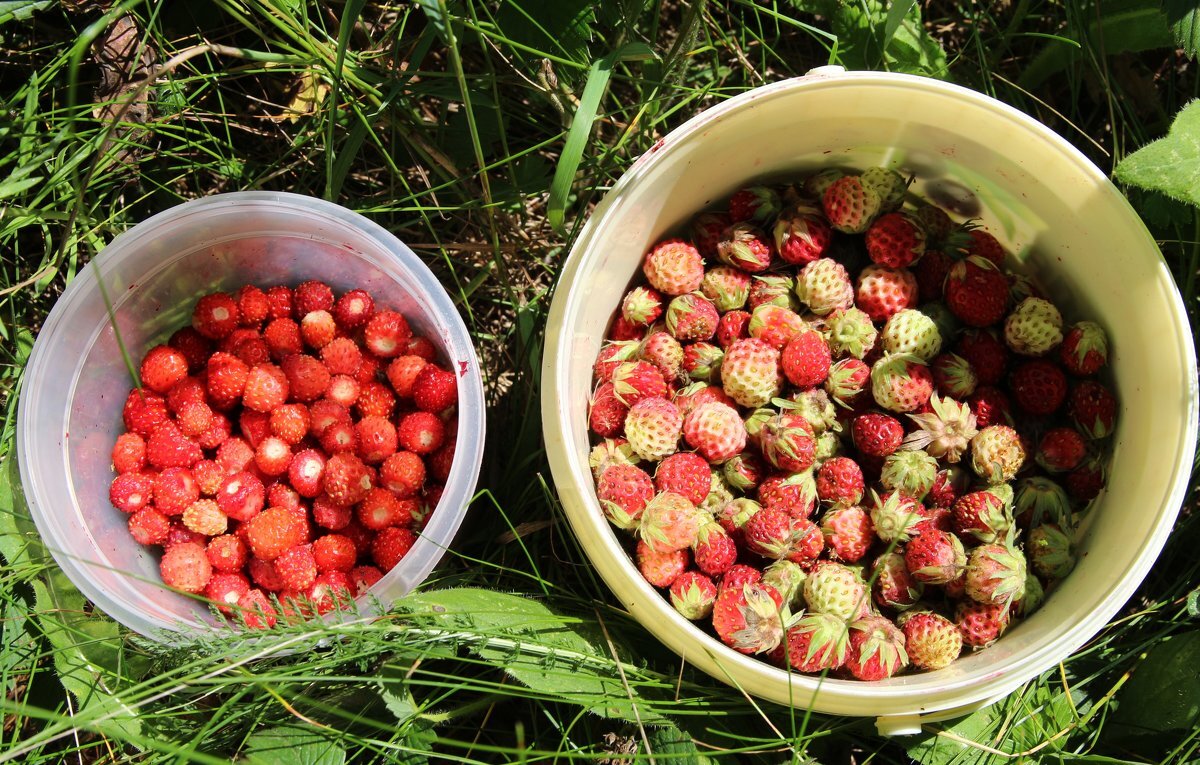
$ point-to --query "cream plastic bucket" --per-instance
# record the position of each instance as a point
(1046, 202)
(76, 382)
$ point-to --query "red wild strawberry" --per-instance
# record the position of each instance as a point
(981, 624)
(877, 435)
(840, 481)
(266, 388)
(131, 492)
(311, 295)
(169, 447)
(715, 551)
(235, 455)
(745, 246)
(317, 328)
(218, 432)
(635, 380)
(369, 370)
(262, 572)
(391, 545)
(196, 348)
(283, 338)
(622, 330)
(660, 567)
(226, 381)
(686, 474)
(386, 334)
(380, 509)
(893, 587)
(144, 412)
(881, 292)
(195, 418)
(806, 360)
(793, 493)
(204, 517)
(129, 453)
(375, 400)
(185, 566)
(226, 591)
(402, 473)
(296, 568)
(665, 353)
(215, 316)
(606, 413)
(290, 422)
(876, 650)
(253, 305)
(226, 553)
(692, 594)
(849, 205)
(402, 373)
(935, 557)
(334, 552)
(281, 494)
(1084, 349)
(733, 325)
(758, 203)
(341, 356)
(174, 489)
(255, 426)
(325, 413)
(977, 292)
(376, 439)
(1093, 409)
(254, 609)
(330, 590)
(353, 309)
(280, 300)
(1039, 387)
(706, 230)
(440, 462)
(306, 472)
(330, 515)
(895, 240)
(149, 527)
(343, 389)
(848, 532)
(162, 367)
(642, 306)
(273, 456)
(674, 267)
(273, 531)
(1061, 450)
(363, 578)
(982, 244)
(691, 317)
(930, 272)
(346, 479)
(418, 345)
(747, 618)
(801, 236)
(180, 534)
(435, 389)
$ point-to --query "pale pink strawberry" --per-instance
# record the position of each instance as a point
(997, 453)
(931, 641)
(635, 380)
(693, 595)
(935, 557)
(806, 360)
(623, 491)
(775, 325)
(817, 643)
(693, 395)
(774, 288)
(669, 522)
(901, 382)
(787, 442)
(702, 362)
(745, 246)
(793, 493)
(715, 430)
(686, 474)
(824, 286)
(1033, 328)
(750, 373)
(660, 567)
(664, 352)
(692, 317)
(981, 624)
(876, 650)
(849, 205)
(893, 586)
(734, 325)
(653, 427)
(642, 306)
(848, 532)
(882, 292)
(606, 412)
(801, 235)
(727, 287)
(715, 551)
(674, 267)
(748, 618)
(996, 574)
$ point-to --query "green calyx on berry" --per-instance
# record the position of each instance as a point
(946, 432)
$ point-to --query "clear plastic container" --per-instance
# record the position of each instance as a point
(76, 381)
(1048, 204)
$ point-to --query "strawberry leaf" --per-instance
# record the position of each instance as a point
(1170, 165)
(1184, 18)
(293, 745)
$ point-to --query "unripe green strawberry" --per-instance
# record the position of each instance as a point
(715, 431)
(1034, 596)
(727, 287)
(910, 331)
(932, 641)
(1034, 327)
(775, 325)
(787, 577)
(824, 286)
(693, 594)
(1084, 349)
(719, 494)
(901, 382)
(910, 471)
(674, 267)
(653, 427)
(849, 205)
(750, 373)
(1051, 552)
(850, 332)
(1040, 500)
(946, 432)
(896, 517)
(745, 246)
(801, 235)
(692, 317)
(894, 587)
(610, 451)
(997, 453)
(815, 407)
(876, 649)
(837, 590)
(734, 515)
(669, 522)
(817, 643)
(888, 184)
(954, 376)
(935, 557)
(995, 574)
(747, 618)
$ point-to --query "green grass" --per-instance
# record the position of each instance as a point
(464, 128)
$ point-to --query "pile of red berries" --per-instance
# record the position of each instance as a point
(285, 449)
(854, 442)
